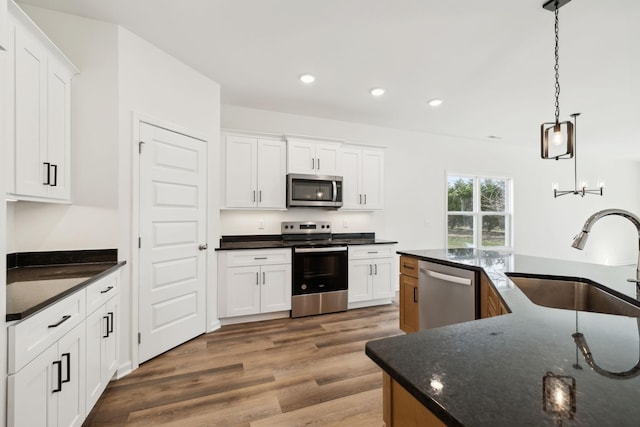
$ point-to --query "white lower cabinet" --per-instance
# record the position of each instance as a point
(61, 359)
(50, 390)
(371, 273)
(254, 282)
(102, 356)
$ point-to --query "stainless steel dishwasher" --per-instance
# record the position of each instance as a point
(447, 295)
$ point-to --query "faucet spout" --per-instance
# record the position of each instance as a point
(581, 238)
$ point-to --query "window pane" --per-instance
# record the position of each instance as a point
(492, 192)
(493, 230)
(460, 194)
(460, 231)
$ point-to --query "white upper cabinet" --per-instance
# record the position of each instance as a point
(313, 157)
(363, 178)
(255, 172)
(42, 115)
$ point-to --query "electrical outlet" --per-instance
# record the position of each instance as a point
(260, 224)
(345, 223)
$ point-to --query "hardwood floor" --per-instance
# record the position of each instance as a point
(289, 372)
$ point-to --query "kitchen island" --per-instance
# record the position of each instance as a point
(522, 368)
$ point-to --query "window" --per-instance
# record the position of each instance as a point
(478, 212)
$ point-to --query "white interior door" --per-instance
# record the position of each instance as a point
(173, 208)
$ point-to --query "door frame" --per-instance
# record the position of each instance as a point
(138, 119)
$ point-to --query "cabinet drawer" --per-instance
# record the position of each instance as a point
(258, 257)
(409, 266)
(371, 251)
(102, 290)
(30, 337)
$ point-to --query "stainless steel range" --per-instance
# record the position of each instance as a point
(320, 275)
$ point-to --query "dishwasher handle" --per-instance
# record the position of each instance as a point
(447, 277)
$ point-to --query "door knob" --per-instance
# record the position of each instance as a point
(203, 247)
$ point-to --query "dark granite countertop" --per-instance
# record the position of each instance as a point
(492, 371)
(30, 288)
(274, 241)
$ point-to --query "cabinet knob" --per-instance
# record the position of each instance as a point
(203, 247)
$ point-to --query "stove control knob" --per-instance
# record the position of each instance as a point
(303, 287)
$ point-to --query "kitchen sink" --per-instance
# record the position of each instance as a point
(572, 295)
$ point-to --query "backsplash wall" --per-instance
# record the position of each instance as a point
(233, 222)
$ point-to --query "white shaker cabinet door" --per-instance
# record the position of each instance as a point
(32, 168)
(96, 329)
(301, 157)
(351, 191)
(272, 170)
(243, 290)
(373, 178)
(32, 400)
(241, 181)
(58, 130)
(328, 159)
(276, 288)
(360, 271)
(71, 399)
(383, 278)
(110, 366)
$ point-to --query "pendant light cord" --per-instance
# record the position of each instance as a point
(557, 66)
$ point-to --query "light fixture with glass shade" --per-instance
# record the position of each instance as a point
(578, 189)
(557, 139)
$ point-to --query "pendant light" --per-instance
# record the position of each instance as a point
(557, 138)
(578, 190)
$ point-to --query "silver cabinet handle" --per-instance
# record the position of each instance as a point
(318, 164)
(313, 163)
(203, 247)
(370, 270)
(264, 277)
(260, 196)
(365, 199)
(376, 269)
(257, 278)
(254, 196)
(359, 199)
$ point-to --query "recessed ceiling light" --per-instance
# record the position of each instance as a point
(307, 78)
(435, 102)
(377, 91)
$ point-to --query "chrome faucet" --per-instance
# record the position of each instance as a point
(581, 239)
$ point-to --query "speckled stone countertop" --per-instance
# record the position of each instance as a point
(30, 288)
(274, 241)
(492, 371)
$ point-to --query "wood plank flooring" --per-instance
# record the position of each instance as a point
(289, 372)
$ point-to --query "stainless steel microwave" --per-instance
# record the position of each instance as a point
(314, 191)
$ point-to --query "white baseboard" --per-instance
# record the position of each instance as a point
(124, 370)
(214, 326)
(255, 318)
(370, 303)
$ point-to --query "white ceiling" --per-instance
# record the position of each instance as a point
(490, 61)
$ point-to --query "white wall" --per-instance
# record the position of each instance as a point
(415, 195)
(91, 222)
(157, 85)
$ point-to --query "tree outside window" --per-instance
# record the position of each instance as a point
(478, 212)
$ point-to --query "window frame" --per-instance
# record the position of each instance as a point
(478, 215)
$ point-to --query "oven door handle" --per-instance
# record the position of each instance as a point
(335, 190)
(327, 249)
